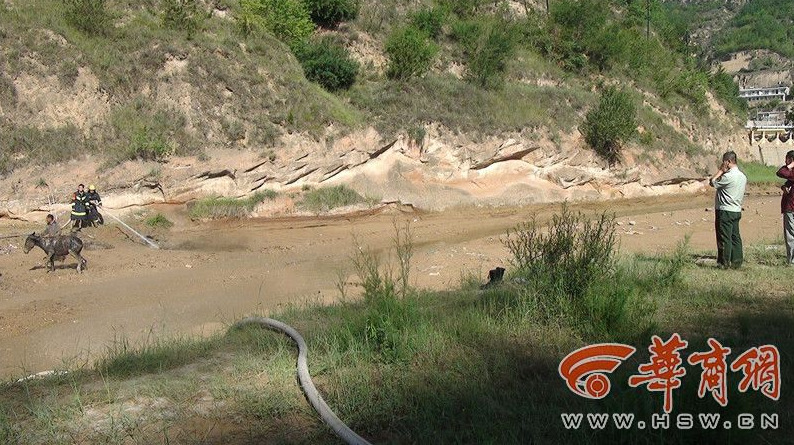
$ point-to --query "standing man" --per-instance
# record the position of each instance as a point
(730, 183)
(787, 205)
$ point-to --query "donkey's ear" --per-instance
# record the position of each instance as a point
(33, 234)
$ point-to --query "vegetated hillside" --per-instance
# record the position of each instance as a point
(753, 38)
(147, 80)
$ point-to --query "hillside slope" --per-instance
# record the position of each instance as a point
(209, 109)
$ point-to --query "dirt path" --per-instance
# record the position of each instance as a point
(211, 274)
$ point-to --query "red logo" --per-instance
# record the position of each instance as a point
(584, 368)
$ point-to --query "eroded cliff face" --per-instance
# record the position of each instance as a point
(441, 171)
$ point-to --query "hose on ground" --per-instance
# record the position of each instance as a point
(328, 416)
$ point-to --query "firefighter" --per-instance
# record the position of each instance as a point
(93, 201)
(79, 210)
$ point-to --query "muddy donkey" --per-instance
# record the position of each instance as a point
(56, 248)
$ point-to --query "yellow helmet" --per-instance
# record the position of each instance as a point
(92, 187)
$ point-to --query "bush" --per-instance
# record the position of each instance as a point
(328, 13)
(575, 251)
(430, 21)
(461, 8)
(410, 53)
(288, 20)
(727, 91)
(611, 123)
(30, 145)
(143, 132)
(328, 64)
(327, 198)
(183, 15)
(158, 220)
(220, 207)
(149, 144)
(488, 55)
(570, 275)
(89, 16)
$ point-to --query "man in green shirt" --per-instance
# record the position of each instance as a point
(730, 183)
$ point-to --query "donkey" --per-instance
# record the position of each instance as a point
(56, 248)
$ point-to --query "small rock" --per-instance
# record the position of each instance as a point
(620, 223)
(632, 223)
(708, 209)
(188, 266)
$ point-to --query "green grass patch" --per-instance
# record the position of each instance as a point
(217, 207)
(327, 198)
(158, 221)
(124, 359)
(758, 173)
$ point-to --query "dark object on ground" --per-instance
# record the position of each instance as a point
(494, 276)
(57, 247)
(94, 218)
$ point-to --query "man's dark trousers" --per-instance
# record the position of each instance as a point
(729, 241)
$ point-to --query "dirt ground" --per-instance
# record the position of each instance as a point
(207, 275)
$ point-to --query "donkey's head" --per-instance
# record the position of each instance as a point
(31, 241)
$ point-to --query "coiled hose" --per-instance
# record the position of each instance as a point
(305, 379)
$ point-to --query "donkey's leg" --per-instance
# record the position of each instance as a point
(51, 262)
(81, 262)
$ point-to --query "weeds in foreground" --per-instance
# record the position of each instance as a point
(124, 359)
(391, 305)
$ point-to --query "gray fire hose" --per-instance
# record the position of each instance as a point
(305, 379)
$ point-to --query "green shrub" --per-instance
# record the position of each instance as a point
(327, 198)
(89, 16)
(183, 15)
(570, 274)
(410, 53)
(461, 8)
(217, 207)
(487, 57)
(575, 251)
(610, 124)
(144, 132)
(158, 221)
(727, 91)
(429, 20)
(329, 13)
(760, 24)
(288, 20)
(328, 64)
(148, 144)
(30, 145)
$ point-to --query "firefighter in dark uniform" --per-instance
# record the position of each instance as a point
(79, 208)
(93, 201)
